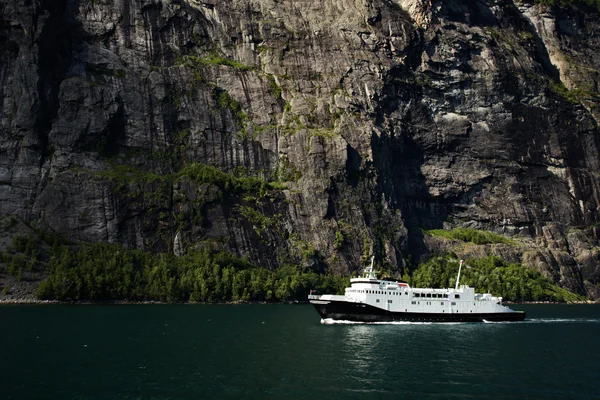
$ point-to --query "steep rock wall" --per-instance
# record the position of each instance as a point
(377, 118)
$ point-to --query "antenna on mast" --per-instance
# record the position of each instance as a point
(458, 277)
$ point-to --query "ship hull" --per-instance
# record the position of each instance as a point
(359, 312)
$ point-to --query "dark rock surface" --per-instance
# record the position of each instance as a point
(380, 117)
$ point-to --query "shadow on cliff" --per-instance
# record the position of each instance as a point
(60, 35)
(398, 160)
(407, 135)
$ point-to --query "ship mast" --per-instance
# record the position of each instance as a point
(369, 270)
(458, 277)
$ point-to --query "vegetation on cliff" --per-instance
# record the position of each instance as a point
(511, 281)
(469, 235)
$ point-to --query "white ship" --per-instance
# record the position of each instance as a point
(369, 299)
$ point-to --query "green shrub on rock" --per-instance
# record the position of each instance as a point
(469, 235)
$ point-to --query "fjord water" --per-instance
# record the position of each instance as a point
(285, 352)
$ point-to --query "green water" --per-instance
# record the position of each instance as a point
(284, 352)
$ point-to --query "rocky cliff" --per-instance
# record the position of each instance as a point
(364, 122)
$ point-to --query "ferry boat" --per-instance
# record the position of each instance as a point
(369, 299)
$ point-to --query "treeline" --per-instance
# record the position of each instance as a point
(101, 272)
(511, 281)
(109, 272)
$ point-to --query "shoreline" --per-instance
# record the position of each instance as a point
(23, 301)
(512, 303)
(143, 302)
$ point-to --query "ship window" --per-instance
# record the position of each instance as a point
(413, 302)
(377, 301)
(457, 296)
(453, 303)
(445, 296)
(428, 294)
(441, 302)
(389, 301)
(406, 293)
(417, 294)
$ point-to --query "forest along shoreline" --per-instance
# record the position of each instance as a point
(39, 268)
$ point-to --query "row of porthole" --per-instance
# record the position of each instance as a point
(429, 303)
(388, 293)
(428, 295)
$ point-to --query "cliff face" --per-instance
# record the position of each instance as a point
(376, 118)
